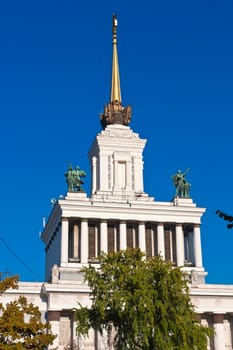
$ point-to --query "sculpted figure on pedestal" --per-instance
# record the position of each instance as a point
(73, 178)
(181, 184)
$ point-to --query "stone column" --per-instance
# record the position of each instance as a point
(160, 240)
(179, 245)
(104, 236)
(64, 240)
(84, 241)
(94, 173)
(219, 336)
(54, 318)
(142, 237)
(197, 246)
(123, 240)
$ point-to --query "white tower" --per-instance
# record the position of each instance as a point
(116, 154)
(119, 214)
(117, 163)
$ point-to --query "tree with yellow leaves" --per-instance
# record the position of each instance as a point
(21, 326)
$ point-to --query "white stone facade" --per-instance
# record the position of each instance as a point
(111, 219)
(119, 214)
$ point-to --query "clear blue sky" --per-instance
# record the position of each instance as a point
(176, 66)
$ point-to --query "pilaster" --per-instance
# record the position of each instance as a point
(84, 241)
(64, 240)
(94, 173)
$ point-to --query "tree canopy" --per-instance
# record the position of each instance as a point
(144, 303)
(21, 326)
(226, 217)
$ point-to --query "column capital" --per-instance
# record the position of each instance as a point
(197, 225)
(160, 224)
(218, 318)
(64, 219)
(53, 315)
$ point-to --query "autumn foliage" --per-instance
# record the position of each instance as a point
(21, 326)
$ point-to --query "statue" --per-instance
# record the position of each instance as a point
(73, 179)
(181, 184)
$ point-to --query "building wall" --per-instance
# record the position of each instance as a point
(56, 301)
(53, 251)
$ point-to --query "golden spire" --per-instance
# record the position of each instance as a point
(116, 87)
(114, 112)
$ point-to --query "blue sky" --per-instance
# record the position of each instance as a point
(176, 67)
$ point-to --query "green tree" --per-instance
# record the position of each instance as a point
(21, 326)
(144, 302)
(226, 217)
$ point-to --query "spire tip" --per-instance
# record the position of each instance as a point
(114, 112)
